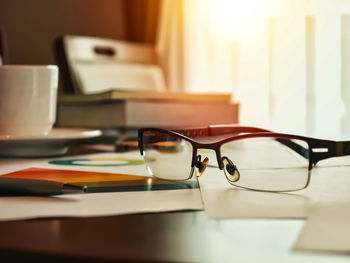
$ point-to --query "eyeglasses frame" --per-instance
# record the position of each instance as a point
(318, 149)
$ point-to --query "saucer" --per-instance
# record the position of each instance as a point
(55, 143)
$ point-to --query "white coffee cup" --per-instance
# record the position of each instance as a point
(28, 95)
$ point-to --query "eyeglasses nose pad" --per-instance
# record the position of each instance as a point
(231, 171)
(201, 165)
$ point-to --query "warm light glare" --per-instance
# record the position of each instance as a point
(287, 62)
(236, 19)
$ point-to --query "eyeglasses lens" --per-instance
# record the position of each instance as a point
(268, 164)
(166, 156)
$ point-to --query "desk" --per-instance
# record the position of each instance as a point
(165, 237)
(186, 236)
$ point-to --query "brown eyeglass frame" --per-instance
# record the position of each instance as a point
(319, 149)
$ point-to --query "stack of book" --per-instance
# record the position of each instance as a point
(117, 84)
(142, 109)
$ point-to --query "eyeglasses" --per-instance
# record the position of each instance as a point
(251, 158)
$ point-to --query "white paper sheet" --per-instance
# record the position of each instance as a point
(328, 224)
(222, 200)
(327, 229)
(97, 204)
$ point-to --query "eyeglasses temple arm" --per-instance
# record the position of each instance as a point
(299, 149)
(342, 148)
(324, 149)
(221, 129)
(214, 130)
(232, 129)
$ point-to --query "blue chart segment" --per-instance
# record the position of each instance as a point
(98, 162)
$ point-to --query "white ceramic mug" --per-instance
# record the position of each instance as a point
(28, 95)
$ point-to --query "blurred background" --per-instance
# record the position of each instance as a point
(287, 62)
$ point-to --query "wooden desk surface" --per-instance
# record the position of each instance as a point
(186, 236)
(160, 237)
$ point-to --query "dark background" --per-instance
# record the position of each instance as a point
(32, 25)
